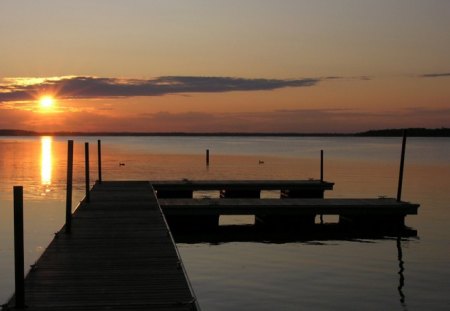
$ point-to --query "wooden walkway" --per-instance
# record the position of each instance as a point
(119, 256)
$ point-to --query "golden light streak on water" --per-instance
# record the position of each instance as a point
(46, 161)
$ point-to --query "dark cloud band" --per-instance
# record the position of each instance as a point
(92, 87)
(436, 75)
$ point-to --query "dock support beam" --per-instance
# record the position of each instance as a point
(69, 186)
(174, 194)
(240, 194)
(86, 164)
(297, 223)
(18, 248)
(182, 223)
(99, 143)
(192, 223)
(402, 164)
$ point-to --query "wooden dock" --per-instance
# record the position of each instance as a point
(291, 207)
(382, 213)
(120, 255)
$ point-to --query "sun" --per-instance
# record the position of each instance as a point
(46, 102)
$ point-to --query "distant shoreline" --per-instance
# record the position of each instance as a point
(412, 132)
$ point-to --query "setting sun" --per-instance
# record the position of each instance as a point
(46, 102)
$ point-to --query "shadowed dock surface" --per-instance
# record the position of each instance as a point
(119, 256)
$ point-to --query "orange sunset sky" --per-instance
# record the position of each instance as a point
(224, 66)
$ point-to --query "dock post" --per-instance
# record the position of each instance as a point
(321, 178)
(86, 160)
(69, 186)
(321, 165)
(207, 157)
(402, 164)
(99, 161)
(18, 248)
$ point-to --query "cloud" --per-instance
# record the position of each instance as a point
(94, 87)
(436, 75)
(362, 78)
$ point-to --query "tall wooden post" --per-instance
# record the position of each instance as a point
(321, 165)
(99, 161)
(18, 247)
(86, 160)
(69, 186)
(402, 164)
(207, 157)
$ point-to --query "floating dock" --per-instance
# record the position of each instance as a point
(381, 212)
(299, 204)
(242, 188)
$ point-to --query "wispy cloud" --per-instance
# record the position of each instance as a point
(436, 75)
(362, 78)
(22, 89)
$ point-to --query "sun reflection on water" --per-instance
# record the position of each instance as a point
(46, 163)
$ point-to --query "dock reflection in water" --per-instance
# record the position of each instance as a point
(319, 234)
(401, 282)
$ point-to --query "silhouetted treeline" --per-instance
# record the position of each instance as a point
(412, 132)
(8, 132)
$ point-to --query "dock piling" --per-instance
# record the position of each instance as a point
(402, 164)
(86, 159)
(99, 143)
(18, 248)
(207, 157)
(321, 165)
(69, 186)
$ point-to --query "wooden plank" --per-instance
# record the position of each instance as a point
(384, 206)
(120, 255)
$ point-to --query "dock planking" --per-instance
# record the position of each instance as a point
(120, 255)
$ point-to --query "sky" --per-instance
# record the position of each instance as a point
(224, 66)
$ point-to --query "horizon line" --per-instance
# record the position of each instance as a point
(444, 132)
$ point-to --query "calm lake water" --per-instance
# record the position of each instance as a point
(312, 274)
